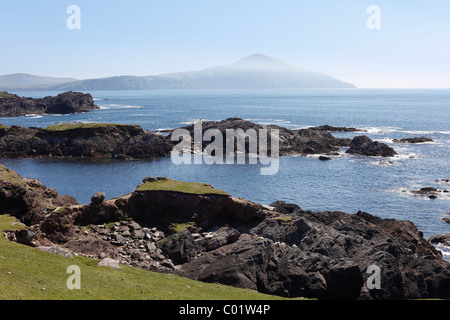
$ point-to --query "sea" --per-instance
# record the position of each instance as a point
(348, 183)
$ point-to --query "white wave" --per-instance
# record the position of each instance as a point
(424, 132)
(444, 249)
(34, 116)
(386, 140)
(119, 106)
(379, 130)
(192, 121)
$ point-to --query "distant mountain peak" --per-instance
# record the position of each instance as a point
(261, 61)
(257, 71)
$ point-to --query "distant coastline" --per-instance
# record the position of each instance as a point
(257, 71)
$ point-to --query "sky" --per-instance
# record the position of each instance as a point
(410, 49)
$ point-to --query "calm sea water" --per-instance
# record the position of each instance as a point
(347, 183)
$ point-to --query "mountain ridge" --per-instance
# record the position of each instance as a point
(256, 71)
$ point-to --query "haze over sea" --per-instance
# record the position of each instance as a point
(380, 186)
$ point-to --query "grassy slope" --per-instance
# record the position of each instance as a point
(6, 95)
(25, 272)
(72, 126)
(180, 186)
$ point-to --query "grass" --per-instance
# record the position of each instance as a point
(10, 176)
(73, 126)
(6, 95)
(284, 218)
(31, 274)
(2, 126)
(177, 227)
(180, 186)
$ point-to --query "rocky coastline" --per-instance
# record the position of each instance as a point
(12, 105)
(205, 234)
(120, 141)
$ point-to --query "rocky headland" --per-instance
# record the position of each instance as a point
(92, 140)
(12, 105)
(197, 231)
(131, 141)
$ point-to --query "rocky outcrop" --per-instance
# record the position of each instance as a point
(337, 129)
(430, 192)
(68, 102)
(132, 142)
(291, 142)
(365, 146)
(413, 140)
(28, 199)
(83, 140)
(278, 249)
(443, 239)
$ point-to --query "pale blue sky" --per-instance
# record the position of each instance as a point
(146, 37)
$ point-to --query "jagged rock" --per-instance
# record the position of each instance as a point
(25, 236)
(98, 198)
(363, 145)
(68, 102)
(83, 140)
(336, 129)
(285, 208)
(413, 140)
(28, 199)
(236, 242)
(440, 239)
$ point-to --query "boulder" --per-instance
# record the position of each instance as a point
(98, 198)
(440, 239)
(365, 146)
(110, 263)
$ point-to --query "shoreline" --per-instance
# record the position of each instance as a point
(225, 233)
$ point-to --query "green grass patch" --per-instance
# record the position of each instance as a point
(10, 176)
(180, 186)
(73, 126)
(177, 227)
(284, 219)
(6, 95)
(31, 274)
(2, 126)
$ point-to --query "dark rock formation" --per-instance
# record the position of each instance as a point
(131, 141)
(441, 239)
(83, 140)
(28, 199)
(446, 219)
(337, 129)
(300, 141)
(64, 103)
(430, 192)
(363, 145)
(98, 198)
(286, 251)
(413, 140)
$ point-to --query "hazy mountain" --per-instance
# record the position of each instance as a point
(24, 81)
(254, 72)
